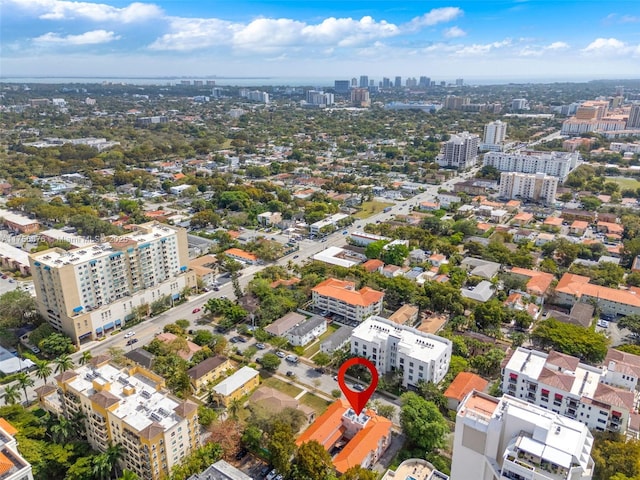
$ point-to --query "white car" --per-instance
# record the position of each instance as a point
(130, 334)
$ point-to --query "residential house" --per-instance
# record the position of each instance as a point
(481, 292)
(622, 369)
(480, 268)
(207, 371)
(337, 340)
(241, 256)
(187, 352)
(544, 238)
(578, 227)
(241, 383)
(437, 260)
(463, 385)
(610, 228)
(274, 401)
(405, 315)
(374, 265)
(282, 325)
(538, 283)
(220, 470)
(269, 218)
(521, 219)
(307, 331)
(364, 438)
(205, 268)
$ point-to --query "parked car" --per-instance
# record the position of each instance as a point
(260, 346)
(358, 388)
(132, 341)
(290, 374)
(291, 358)
(296, 256)
(129, 334)
(272, 474)
(195, 310)
(241, 454)
(281, 354)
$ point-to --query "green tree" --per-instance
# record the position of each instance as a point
(270, 361)
(613, 456)
(395, 254)
(252, 437)
(573, 340)
(56, 344)
(24, 382)
(85, 357)
(129, 475)
(322, 359)
(203, 337)
(422, 422)
(374, 249)
(630, 322)
(206, 415)
(43, 370)
(11, 394)
(312, 462)
(63, 363)
(234, 408)
(359, 473)
(281, 445)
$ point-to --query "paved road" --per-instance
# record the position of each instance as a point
(146, 331)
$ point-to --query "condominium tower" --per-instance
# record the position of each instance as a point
(88, 292)
(495, 132)
(131, 408)
(557, 164)
(460, 152)
(538, 187)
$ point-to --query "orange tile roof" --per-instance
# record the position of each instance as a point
(579, 224)
(7, 427)
(577, 285)
(372, 265)
(328, 429)
(241, 253)
(5, 464)
(612, 227)
(179, 176)
(464, 383)
(483, 226)
(186, 353)
(553, 221)
(345, 292)
(538, 283)
(514, 203)
(523, 217)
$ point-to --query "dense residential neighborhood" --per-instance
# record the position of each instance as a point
(185, 268)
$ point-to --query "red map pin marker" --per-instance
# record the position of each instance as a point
(358, 400)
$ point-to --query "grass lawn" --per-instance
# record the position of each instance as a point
(315, 402)
(372, 208)
(625, 183)
(281, 386)
(315, 347)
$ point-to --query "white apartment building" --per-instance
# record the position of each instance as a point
(499, 439)
(132, 408)
(393, 347)
(88, 292)
(624, 147)
(538, 187)
(494, 132)
(339, 297)
(556, 164)
(460, 151)
(562, 384)
(328, 225)
(12, 465)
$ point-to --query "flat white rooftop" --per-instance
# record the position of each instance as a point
(139, 402)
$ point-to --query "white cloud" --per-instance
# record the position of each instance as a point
(97, 12)
(435, 16)
(267, 34)
(454, 32)
(536, 51)
(611, 47)
(88, 38)
(477, 49)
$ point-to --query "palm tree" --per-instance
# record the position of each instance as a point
(101, 467)
(43, 370)
(24, 381)
(61, 430)
(85, 357)
(114, 454)
(63, 363)
(11, 395)
(129, 475)
(234, 408)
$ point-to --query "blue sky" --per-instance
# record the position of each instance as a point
(561, 39)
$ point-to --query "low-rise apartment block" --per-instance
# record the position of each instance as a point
(130, 407)
(573, 288)
(340, 298)
(562, 384)
(89, 292)
(392, 347)
(241, 383)
(507, 438)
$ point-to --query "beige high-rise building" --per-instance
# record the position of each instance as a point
(88, 292)
(538, 187)
(360, 97)
(128, 407)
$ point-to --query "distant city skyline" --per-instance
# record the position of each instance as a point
(568, 39)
